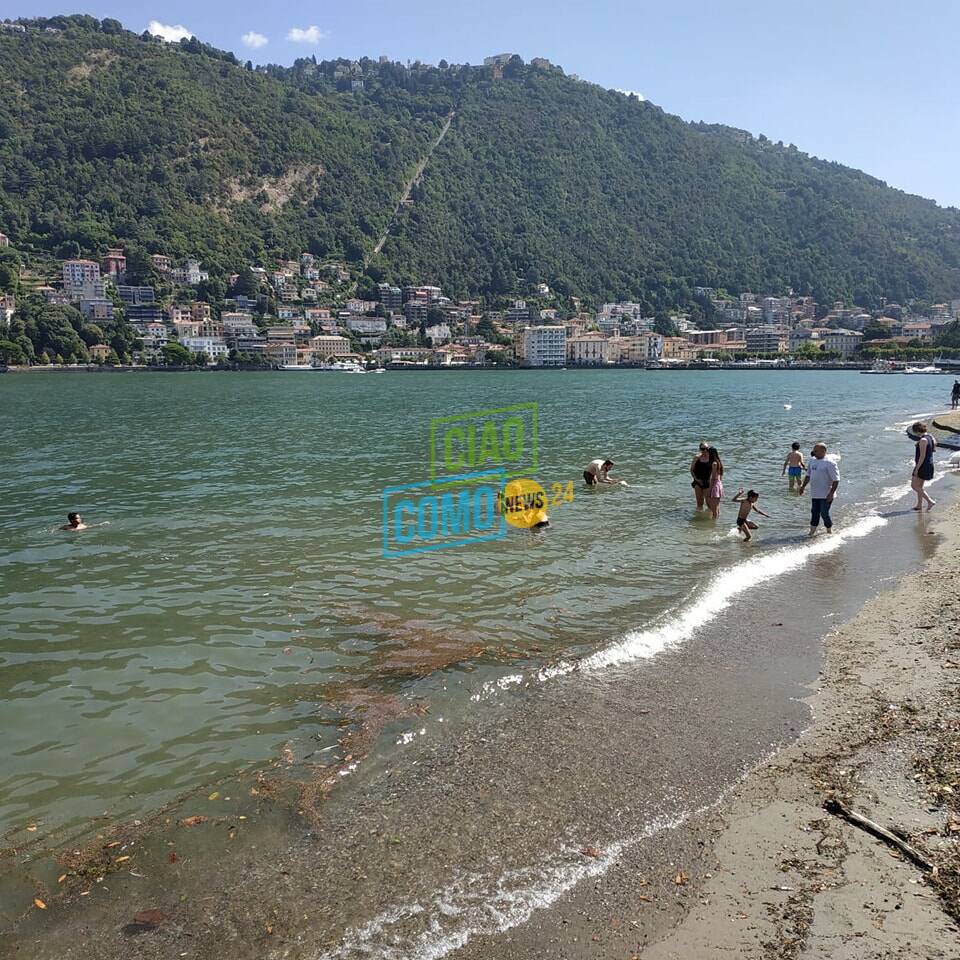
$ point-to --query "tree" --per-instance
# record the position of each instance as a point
(875, 331)
(949, 335)
(664, 325)
(12, 353)
(175, 355)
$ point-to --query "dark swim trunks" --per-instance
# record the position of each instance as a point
(741, 521)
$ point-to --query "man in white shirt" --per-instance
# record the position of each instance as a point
(823, 476)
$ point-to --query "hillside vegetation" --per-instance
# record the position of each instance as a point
(107, 137)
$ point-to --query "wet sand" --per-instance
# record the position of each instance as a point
(611, 815)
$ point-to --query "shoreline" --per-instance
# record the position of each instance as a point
(476, 368)
(767, 873)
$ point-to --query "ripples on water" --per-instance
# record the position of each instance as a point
(240, 584)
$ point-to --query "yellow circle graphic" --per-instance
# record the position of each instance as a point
(523, 503)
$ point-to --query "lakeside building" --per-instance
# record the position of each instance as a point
(544, 346)
(767, 339)
(4, 240)
(403, 354)
(214, 347)
(636, 349)
(844, 342)
(589, 350)
(678, 348)
(325, 346)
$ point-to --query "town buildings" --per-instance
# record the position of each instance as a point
(544, 346)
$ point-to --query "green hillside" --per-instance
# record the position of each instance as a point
(108, 137)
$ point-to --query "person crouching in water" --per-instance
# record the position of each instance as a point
(598, 471)
(748, 505)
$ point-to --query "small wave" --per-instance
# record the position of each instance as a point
(642, 644)
(480, 904)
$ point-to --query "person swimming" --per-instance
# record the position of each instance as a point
(748, 505)
(793, 466)
(74, 522)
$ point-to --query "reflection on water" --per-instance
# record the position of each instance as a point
(238, 599)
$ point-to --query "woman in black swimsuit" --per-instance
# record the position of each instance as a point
(700, 470)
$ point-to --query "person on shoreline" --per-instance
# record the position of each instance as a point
(794, 466)
(715, 492)
(598, 471)
(700, 468)
(923, 465)
(748, 505)
(74, 522)
(823, 477)
(955, 395)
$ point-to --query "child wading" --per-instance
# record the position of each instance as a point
(748, 505)
(794, 466)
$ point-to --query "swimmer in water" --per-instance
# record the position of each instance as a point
(794, 466)
(748, 505)
(74, 522)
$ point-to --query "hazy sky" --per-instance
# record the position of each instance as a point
(871, 84)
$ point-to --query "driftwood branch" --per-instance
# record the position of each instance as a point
(859, 820)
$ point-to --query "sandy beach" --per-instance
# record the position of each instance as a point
(769, 873)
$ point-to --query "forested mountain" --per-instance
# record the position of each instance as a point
(107, 137)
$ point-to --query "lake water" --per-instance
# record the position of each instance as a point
(237, 606)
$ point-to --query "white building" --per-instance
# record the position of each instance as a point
(542, 346)
(214, 347)
(368, 325)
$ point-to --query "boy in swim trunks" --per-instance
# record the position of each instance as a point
(793, 465)
(748, 504)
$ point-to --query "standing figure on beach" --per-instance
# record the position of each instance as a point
(748, 505)
(955, 395)
(794, 466)
(823, 476)
(715, 492)
(700, 469)
(923, 465)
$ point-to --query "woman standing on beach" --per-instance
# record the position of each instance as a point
(700, 470)
(715, 491)
(923, 464)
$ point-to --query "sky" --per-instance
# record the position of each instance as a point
(874, 85)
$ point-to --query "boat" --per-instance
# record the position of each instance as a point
(341, 366)
(297, 367)
(929, 369)
(882, 366)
